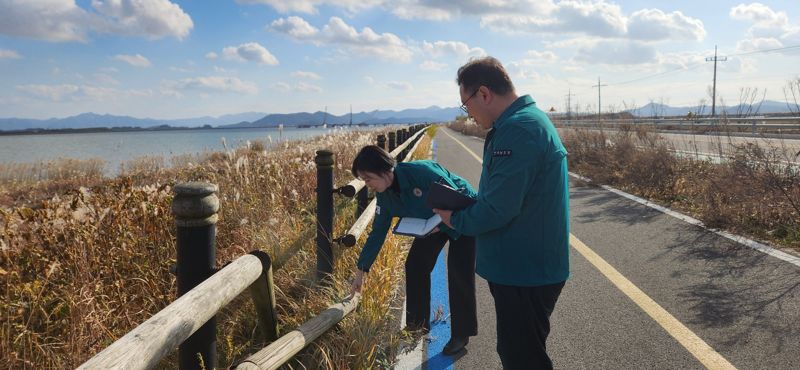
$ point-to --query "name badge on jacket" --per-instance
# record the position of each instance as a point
(501, 153)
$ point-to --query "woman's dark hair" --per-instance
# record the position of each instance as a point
(486, 71)
(372, 158)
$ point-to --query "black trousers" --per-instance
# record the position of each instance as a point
(523, 324)
(460, 280)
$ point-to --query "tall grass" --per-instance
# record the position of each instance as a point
(84, 265)
(752, 191)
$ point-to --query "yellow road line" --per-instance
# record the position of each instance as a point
(465, 147)
(704, 353)
(689, 340)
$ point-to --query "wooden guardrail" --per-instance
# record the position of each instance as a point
(189, 324)
(283, 349)
(754, 124)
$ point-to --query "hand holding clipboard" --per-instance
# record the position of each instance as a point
(441, 196)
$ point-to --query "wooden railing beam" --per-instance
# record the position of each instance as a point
(148, 343)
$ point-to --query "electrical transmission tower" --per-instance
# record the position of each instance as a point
(715, 59)
(569, 104)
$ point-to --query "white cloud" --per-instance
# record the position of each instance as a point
(214, 83)
(179, 69)
(51, 20)
(399, 85)
(310, 6)
(68, 92)
(282, 86)
(439, 10)
(305, 74)
(451, 48)
(51, 92)
(151, 18)
(283, 6)
(250, 51)
(617, 52)
(211, 55)
(367, 42)
(64, 20)
(306, 87)
(9, 54)
(105, 79)
(769, 30)
(759, 14)
(369, 80)
(654, 24)
(301, 86)
(748, 45)
(295, 27)
(219, 69)
(596, 19)
(430, 65)
(541, 56)
(135, 60)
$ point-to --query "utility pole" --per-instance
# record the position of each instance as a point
(569, 104)
(598, 98)
(714, 88)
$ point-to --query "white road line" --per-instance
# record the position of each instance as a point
(704, 353)
(736, 238)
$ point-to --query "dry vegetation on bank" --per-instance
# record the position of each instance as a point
(753, 193)
(85, 259)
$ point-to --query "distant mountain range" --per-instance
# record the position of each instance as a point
(258, 119)
(662, 110)
(249, 119)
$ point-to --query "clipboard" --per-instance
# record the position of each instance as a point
(441, 196)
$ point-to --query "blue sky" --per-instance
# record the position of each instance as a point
(180, 59)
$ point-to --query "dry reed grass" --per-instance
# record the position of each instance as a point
(82, 266)
(753, 192)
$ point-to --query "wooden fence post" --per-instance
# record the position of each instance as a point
(263, 293)
(195, 208)
(392, 141)
(382, 141)
(324, 161)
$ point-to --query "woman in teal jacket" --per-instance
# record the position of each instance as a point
(401, 190)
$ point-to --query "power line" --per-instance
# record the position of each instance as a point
(695, 65)
(658, 74)
(766, 50)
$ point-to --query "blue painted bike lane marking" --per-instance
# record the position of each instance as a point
(440, 329)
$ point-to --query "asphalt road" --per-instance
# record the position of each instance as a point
(743, 304)
(785, 149)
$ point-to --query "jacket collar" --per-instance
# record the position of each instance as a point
(401, 178)
(521, 102)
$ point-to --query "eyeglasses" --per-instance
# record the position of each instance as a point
(464, 104)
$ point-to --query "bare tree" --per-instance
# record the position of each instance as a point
(632, 109)
(792, 93)
(747, 98)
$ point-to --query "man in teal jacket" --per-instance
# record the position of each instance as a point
(521, 217)
(401, 190)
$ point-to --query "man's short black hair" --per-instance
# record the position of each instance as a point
(372, 158)
(485, 71)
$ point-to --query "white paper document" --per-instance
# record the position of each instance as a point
(417, 226)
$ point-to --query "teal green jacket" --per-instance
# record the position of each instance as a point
(521, 219)
(414, 179)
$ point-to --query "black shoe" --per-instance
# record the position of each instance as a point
(455, 345)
